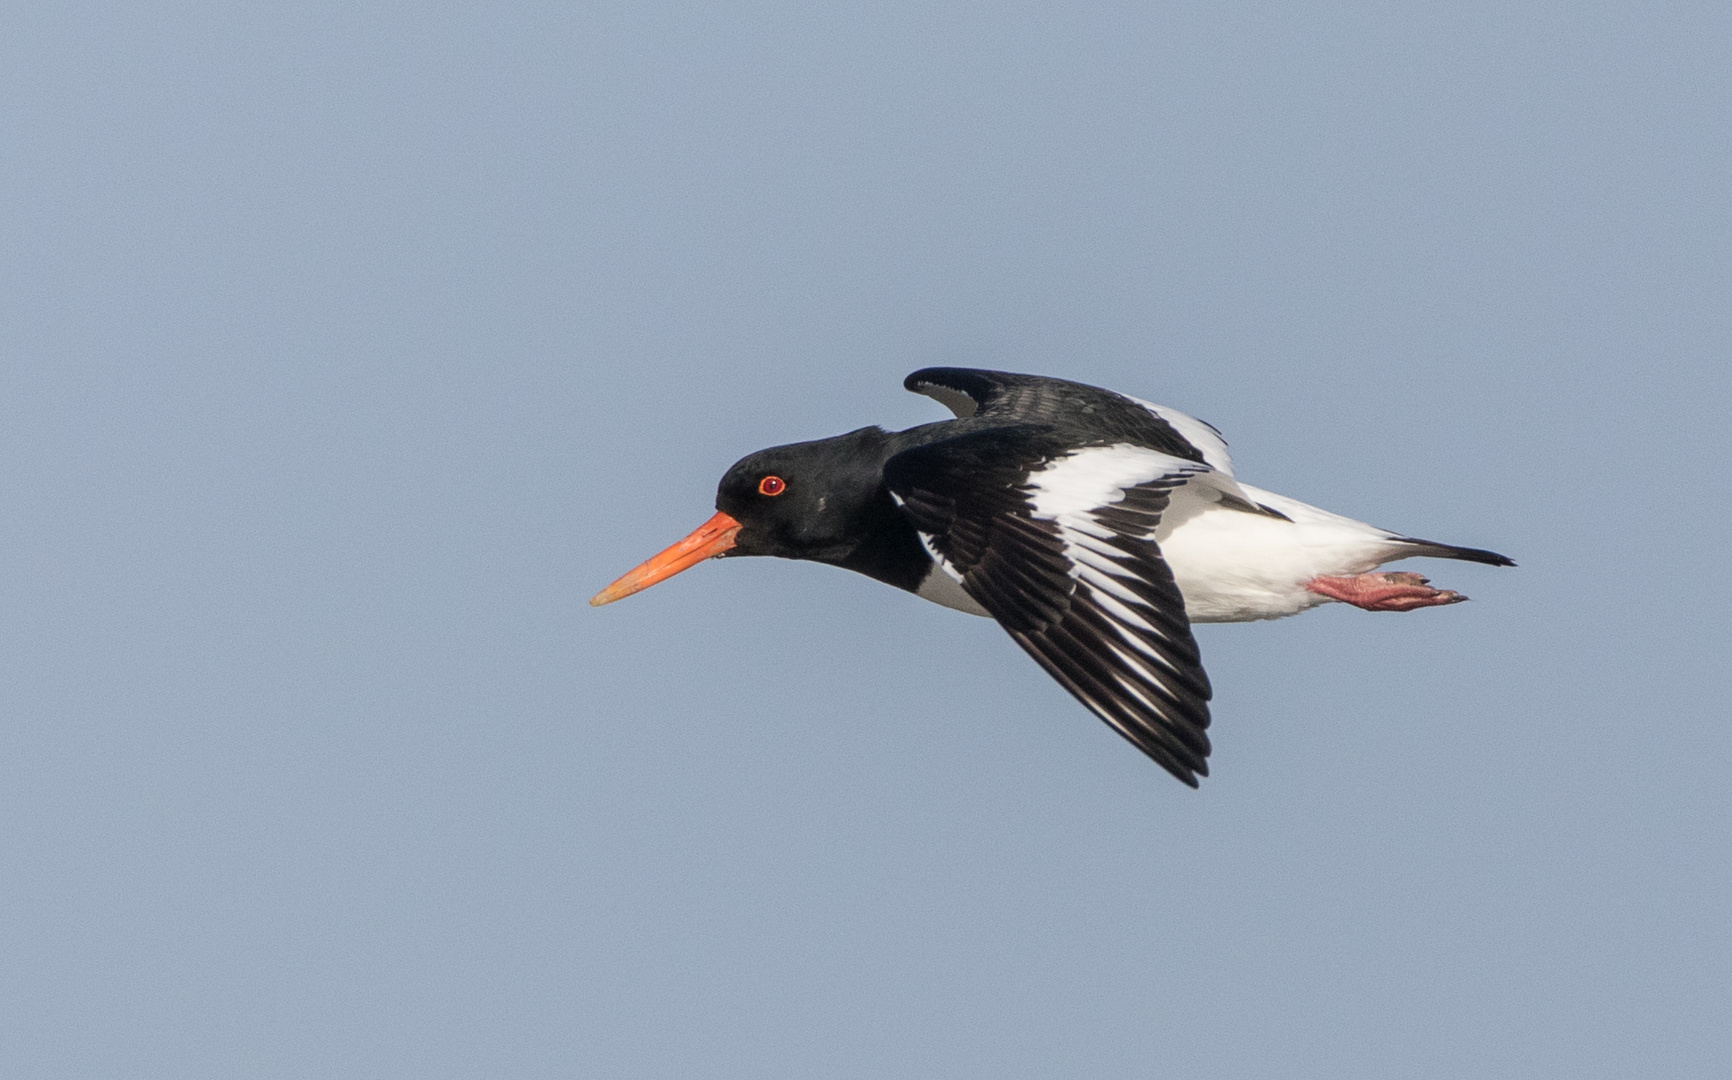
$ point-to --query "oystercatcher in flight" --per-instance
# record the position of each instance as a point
(1094, 527)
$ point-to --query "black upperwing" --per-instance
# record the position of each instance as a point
(1087, 594)
(1036, 399)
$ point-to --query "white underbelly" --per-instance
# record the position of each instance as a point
(1235, 566)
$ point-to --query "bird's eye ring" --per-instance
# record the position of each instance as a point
(772, 485)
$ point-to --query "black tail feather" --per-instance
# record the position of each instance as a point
(1450, 551)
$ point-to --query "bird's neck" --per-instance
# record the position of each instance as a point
(889, 550)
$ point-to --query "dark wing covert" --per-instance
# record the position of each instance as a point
(1095, 415)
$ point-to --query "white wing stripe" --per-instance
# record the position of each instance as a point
(1084, 525)
(1097, 476)
(1100, 554)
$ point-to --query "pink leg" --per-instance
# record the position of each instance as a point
(1398, 591)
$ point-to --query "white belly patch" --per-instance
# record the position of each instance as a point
(1234, 566)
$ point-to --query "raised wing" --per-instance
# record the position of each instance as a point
(1099, 414)
(1055, 543)
(1207, 438)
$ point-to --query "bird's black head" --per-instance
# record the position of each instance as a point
(810, 500)
(823, 500)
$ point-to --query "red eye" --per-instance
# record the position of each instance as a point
(771, 485)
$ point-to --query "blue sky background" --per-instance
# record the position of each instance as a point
(348, 349)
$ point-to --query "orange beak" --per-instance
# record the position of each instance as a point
(706, 542)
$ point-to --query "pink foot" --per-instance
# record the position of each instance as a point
(1398, 591)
